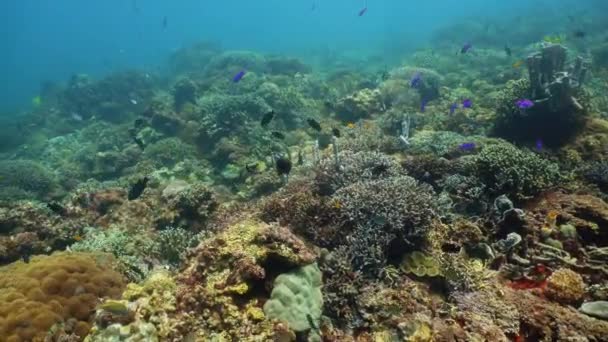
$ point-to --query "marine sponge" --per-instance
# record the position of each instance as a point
(505, 169)
(565, 286)
(56, 289)
(296, 298)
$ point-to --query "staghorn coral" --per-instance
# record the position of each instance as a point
(565, 286)
(61, 289)
(506, 169)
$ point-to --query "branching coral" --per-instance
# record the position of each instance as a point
(506, 169)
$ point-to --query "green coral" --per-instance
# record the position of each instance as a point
(421, 265)
(296, 298)
(170, 151)
(26, 177)
(509, 170)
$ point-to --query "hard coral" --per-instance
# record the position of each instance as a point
(28, 176)
(52, 290)
(565, 286)
(360, 105)
(506, 169)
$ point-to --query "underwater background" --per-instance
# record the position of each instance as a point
(304, 170)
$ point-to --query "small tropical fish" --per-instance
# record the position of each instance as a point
(133, 101)
(165, 22)
(278, 135)
(518, 64)
(336, 132)
(57, 208)
(76, 117)
(416, 80)
(77, 238)
(453, 107)
(114, 307)
(267, 118)
(239, 76)
(137, 189)
(423, 103)
(350, 125)
(36, 101)
(539, 144)
(283, 166)
(550, 221)
(314, 124)
(579, 34)
(467, 103)
(508, 51)
(469, 146)
(524, 103)
(362, 11)
(466, 47)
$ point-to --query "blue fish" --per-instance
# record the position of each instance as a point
(467, 103)
(239, 76)
(453, 108)
(467, 146)
(466, 47)
(539, 144)
(416, 79)
(423, 103)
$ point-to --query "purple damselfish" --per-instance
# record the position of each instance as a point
(467, 146)
(453, 108)
(238, 76)
(524, 103)
(539, 144)
(466, 47)
(467, 103)
(416, 79)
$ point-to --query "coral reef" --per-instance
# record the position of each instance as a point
(58, 291)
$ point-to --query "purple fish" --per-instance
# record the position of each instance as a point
(423, 105)
(238, 76)
(467, 146)
(539, 144)
(467, 103)
(416, 79)
(466, 47)
(362, 11)
(524, 103)
(453, 108)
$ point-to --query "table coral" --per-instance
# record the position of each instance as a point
(58, 289)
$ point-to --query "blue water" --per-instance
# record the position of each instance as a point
(51, 40)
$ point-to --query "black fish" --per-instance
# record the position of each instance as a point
(26, 253)
(139, 123)
(336, 132)
(267, 118)
(579, 34)
(278, 135)
(508, 51)
(328, 105)
(165, 23)
(314, 124)
(300, 158)
(283, 166)
(252, 168)
(57, 208)
(136, 139)
(137, 189)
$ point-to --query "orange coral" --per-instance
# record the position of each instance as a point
(50, 290)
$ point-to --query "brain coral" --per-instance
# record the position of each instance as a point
(59, 289)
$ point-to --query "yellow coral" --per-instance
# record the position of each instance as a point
(53, 289)
(565, 286)
(420, 264)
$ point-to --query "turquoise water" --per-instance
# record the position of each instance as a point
(51, 40)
